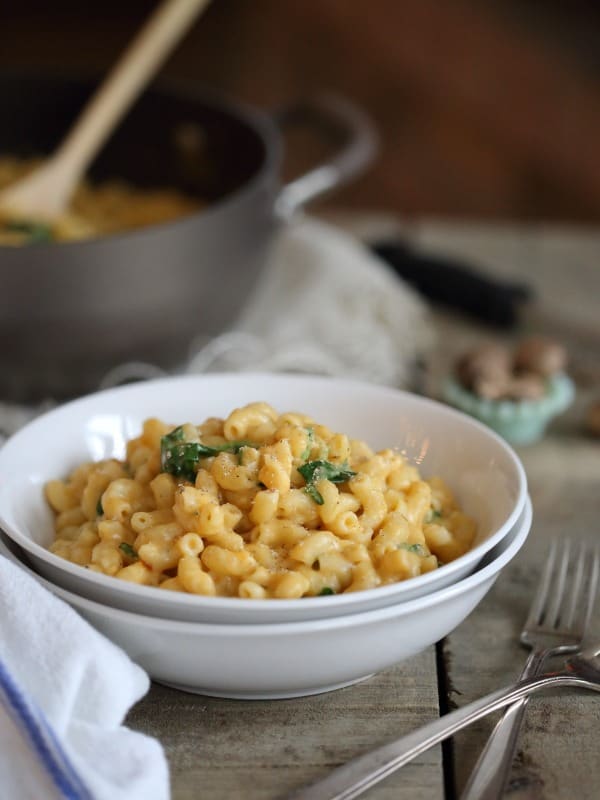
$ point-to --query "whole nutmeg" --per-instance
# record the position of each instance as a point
(527, 386)
(488, 364)
(492, 388)
(593, 419)
(540, 354)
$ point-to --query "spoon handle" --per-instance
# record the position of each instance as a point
(129, 76)
(360, 774)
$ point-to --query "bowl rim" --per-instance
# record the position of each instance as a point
(245, 630)
(175, 599)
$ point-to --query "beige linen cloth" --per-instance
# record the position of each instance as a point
(326, 305)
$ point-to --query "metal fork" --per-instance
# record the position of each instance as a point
(556, 625)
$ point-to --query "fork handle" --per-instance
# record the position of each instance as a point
(362, 773)
(490, 774)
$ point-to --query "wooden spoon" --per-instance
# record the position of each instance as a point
(45, 193)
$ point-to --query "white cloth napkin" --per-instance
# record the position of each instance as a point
(64, 692)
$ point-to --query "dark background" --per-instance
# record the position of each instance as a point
(486, 108)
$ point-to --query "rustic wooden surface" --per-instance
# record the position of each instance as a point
(260, 750)
(223, 750)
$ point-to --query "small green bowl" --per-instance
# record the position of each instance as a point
(518, 421)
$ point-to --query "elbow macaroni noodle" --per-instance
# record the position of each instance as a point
(257, 505)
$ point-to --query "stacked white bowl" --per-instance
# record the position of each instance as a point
(235, 647)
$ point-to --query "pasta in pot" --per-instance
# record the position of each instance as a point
(96, 209)
(256, 505)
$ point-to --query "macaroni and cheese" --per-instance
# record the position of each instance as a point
(95, 210)
(256, 505)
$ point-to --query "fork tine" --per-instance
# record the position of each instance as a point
(568, 617)
(590, 588)
(539, 602)
(556, 600)
(594, 579)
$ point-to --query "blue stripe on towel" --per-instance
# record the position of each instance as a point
(33, 725)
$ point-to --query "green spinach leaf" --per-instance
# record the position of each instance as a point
(315, 471)
(181, 458)
(310, 440)
(412, 548)
(35, 232)
(128, 550)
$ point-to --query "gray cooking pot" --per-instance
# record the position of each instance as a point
(71, 311)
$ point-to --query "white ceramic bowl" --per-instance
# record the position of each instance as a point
(480, 467)
(268, 661)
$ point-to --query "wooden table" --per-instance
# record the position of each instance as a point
(223, 749)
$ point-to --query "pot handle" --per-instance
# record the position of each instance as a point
(332, 112)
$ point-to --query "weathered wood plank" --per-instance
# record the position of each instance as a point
(558, 747)
(260, 750)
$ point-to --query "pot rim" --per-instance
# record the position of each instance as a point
(260, 122)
